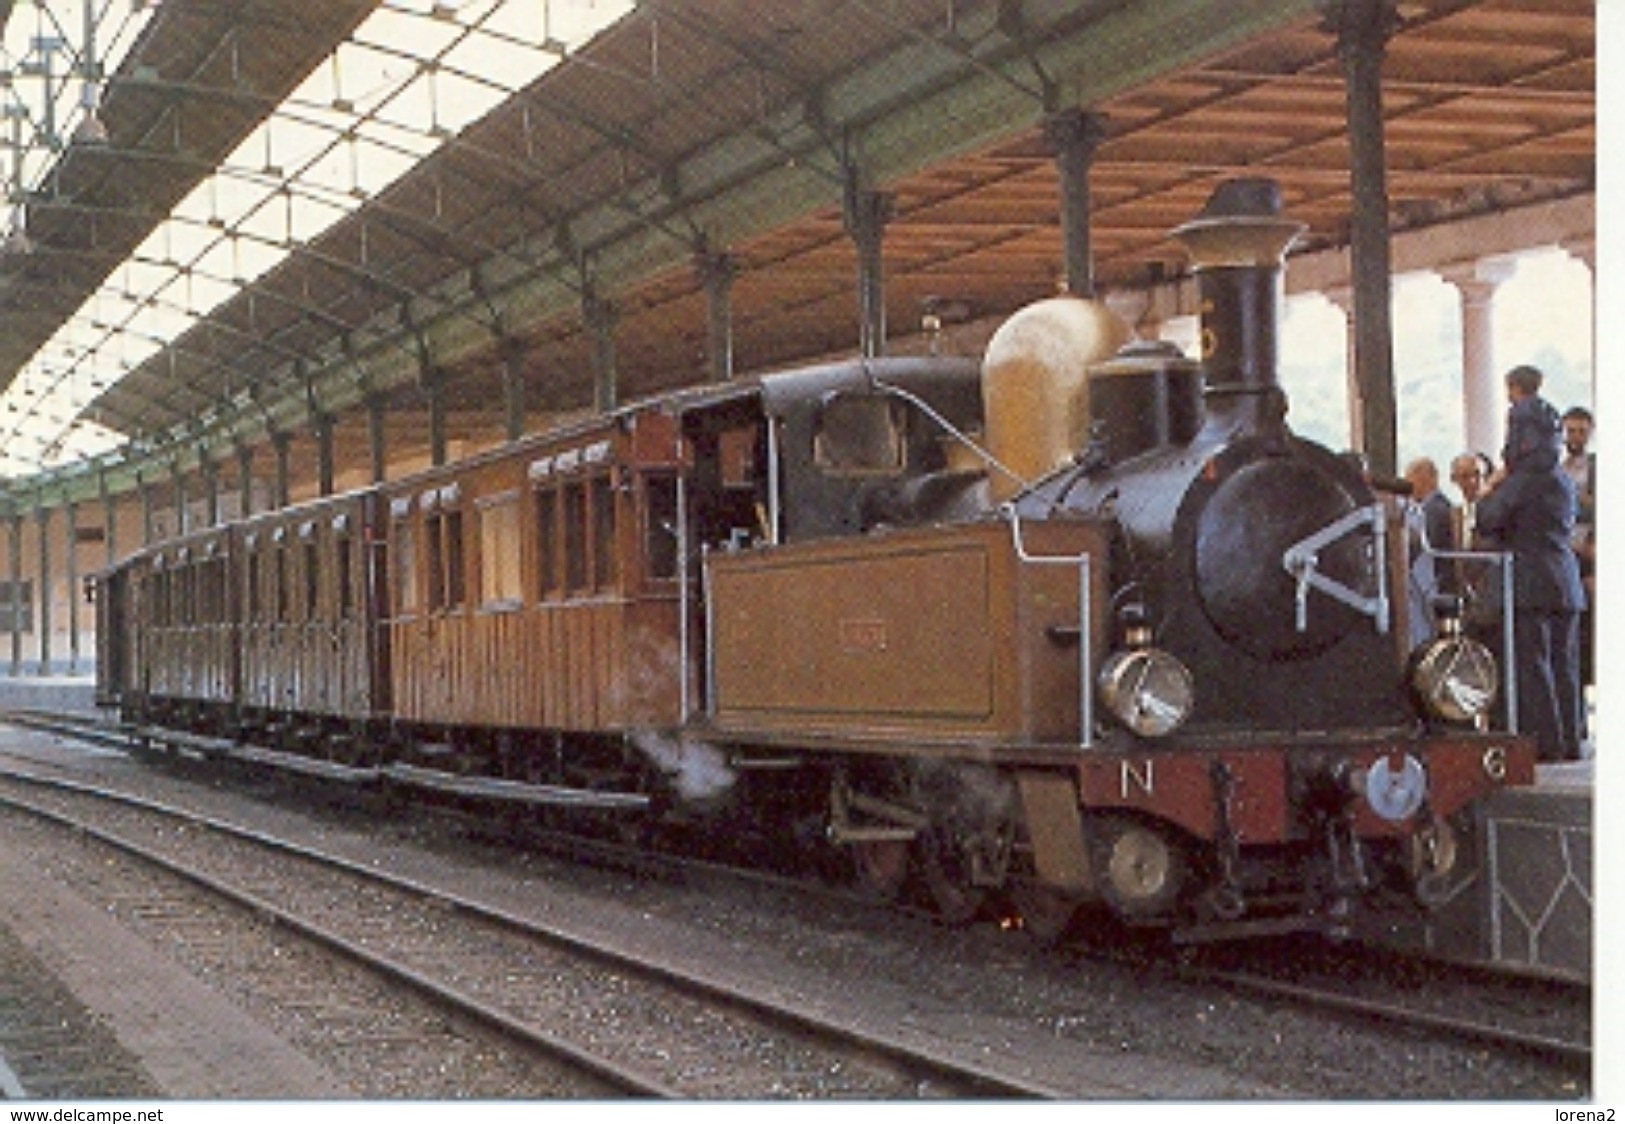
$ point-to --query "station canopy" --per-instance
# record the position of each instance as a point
(226, 217)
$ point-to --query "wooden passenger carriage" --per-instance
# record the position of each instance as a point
(548, 590)
(535, 589)
(553, 587)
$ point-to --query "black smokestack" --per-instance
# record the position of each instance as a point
(1236, 245)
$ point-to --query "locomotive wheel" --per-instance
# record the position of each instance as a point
(947, 878)
(881, 868)
(1046, 912)
(1139, 870)
(1434, 857)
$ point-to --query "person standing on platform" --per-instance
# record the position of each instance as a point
(1581, 465)
(1578, 461)
(1481, 616)
(1468, 473)
(1431, 519)
(1532, 426)
(1475, 580)
(1530, 509)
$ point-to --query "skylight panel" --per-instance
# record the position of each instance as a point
(414, 74)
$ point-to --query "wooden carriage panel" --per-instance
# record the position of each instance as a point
(597, 665)
(309, 622)
(519, 591)
(189, 650)
(115, 635)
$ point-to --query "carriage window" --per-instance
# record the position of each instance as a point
(406, 568)
(660, 498)
(604, 553)
(280, 607)
(575, 536)
(253, 580)
(211, 592)
(203, 592)
(858, 435)
(547, 539)
(499, 550)
(310, 561)
(343, 552)
(160, 598)
(448, 575)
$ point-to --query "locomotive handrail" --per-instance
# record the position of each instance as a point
(1084, 562)
(1302, 561)
(982, 453)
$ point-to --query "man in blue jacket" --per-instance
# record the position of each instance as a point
(1530, 509)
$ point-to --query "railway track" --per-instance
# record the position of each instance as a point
(1348, 1001)
(1566, 1054)
(635, 1027)
(215, 922)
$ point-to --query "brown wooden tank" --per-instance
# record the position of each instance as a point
(910, 641)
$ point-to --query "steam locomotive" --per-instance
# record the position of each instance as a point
(1080, 624)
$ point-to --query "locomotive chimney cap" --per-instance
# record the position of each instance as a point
(1241, 225)
(1248, 197)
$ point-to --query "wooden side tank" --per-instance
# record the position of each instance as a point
(954, 636)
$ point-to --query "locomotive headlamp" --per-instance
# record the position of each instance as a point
(1453, 677)
(1148, 690)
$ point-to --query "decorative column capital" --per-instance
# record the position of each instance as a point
(1479, 279)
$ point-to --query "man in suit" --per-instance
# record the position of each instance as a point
(1431, 519)
(1476, 580)
(1530, 508)
(1578, 461)
(1581, 466)
(1468, 474)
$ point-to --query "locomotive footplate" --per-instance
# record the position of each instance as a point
(1273, 784)
(1266, 835)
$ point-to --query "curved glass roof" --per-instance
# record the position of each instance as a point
(410, 77)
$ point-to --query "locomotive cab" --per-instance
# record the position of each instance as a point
(833, 451)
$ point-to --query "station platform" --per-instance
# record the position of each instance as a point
(1527, 906)
(58, 694)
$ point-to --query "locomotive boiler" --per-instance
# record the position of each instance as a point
(1257, 661)
(1256, 557)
